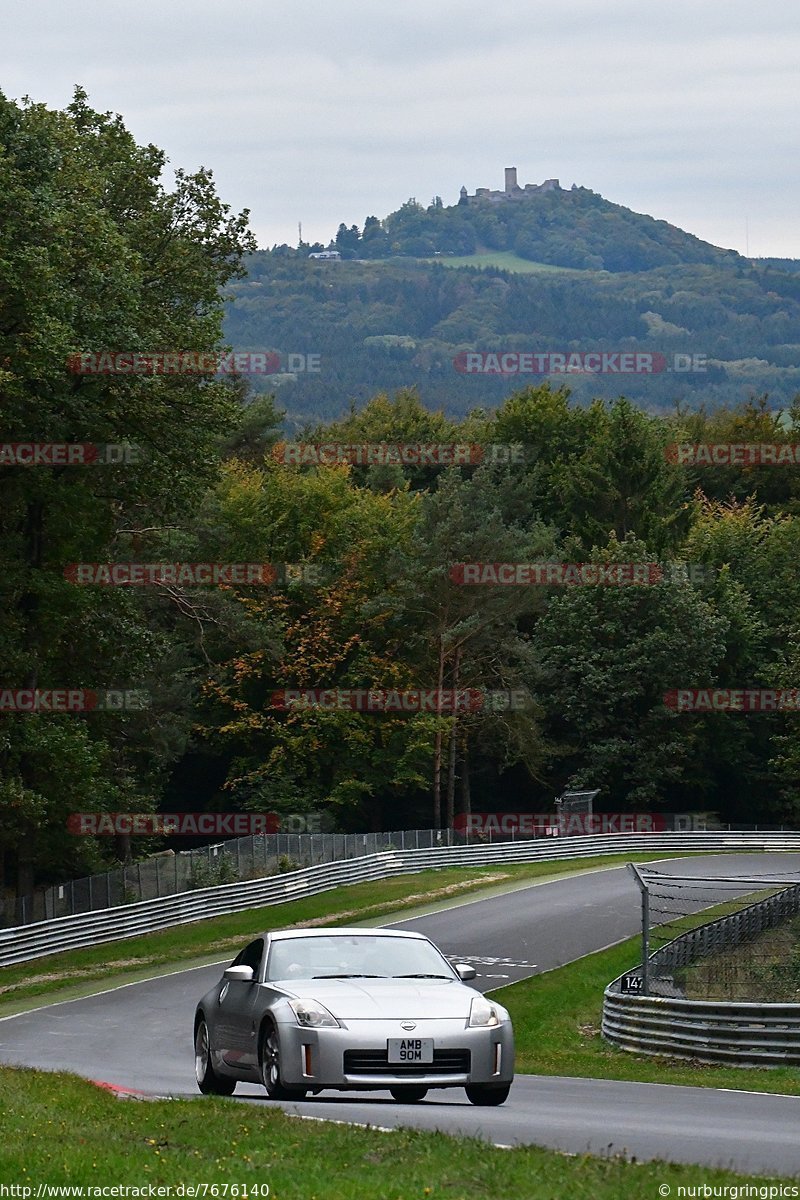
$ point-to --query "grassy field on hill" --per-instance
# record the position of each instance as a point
(504, 260)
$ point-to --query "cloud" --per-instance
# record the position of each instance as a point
(329, 112)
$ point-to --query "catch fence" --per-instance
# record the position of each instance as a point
(254, 857)
(656, 1009)
(170, 874)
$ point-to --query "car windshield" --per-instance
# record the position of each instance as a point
(357, 956)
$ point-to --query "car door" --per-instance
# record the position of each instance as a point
(236, 1010)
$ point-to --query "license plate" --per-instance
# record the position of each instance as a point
(410, 1050)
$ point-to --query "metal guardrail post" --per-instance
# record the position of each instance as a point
(645, 929)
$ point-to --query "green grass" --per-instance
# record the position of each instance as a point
(59, 1130)
(78, 972)
(766, 969)
(506, 260)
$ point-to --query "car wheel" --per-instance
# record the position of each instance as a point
(209, 1082)
(487, 1094)
(408, 1094)
(269, 1061)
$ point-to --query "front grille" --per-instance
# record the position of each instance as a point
(376, 1062)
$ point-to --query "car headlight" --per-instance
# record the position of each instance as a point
(483, 1013)
(313, 1015)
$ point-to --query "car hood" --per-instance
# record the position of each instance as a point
(386, 999)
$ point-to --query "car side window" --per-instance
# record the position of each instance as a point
(251, 956)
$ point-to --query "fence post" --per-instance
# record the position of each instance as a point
(645, 929)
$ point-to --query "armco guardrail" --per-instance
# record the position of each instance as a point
(27, 942)
(253, 857)
(747, 1034)
(231, 861)
(167, 874)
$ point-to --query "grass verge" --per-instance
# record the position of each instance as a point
(73, 972)
(59, 1130)
(765, 969)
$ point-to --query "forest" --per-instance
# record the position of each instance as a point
(726, 329)
(96, 253)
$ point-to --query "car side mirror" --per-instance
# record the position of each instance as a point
(242, 974)
(464, 971)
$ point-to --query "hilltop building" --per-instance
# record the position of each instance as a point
(511, 191)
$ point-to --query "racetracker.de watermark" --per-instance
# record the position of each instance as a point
(195, 824)
(192, 362)
(404, 454)
(575, 362)
(733, 454)
(72, 700)
(68, 454)
(188, 574)
(751, 700)
(568, 574)
(413, 700)
(542, 824)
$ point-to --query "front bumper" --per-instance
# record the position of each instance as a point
(354, 1057)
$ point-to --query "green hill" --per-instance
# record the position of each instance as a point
(493, 277)
(576, 228)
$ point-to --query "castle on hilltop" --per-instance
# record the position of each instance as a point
(512, 190)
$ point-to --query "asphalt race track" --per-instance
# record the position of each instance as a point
(139, 1037)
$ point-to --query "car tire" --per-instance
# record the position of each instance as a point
(487, 1094)
(209, 1082)
(406, 1093)
(269, 1063)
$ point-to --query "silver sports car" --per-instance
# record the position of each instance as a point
(302, 1010)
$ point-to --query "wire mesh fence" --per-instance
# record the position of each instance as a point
(253, 857)
(720, 937)
(169, 873)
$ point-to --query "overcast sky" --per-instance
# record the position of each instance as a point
(324, 111)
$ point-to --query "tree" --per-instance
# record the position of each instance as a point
(96, 256)
(315, 636)
(606, 657)
(348, 241)
(459, 636)
(600, 470)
